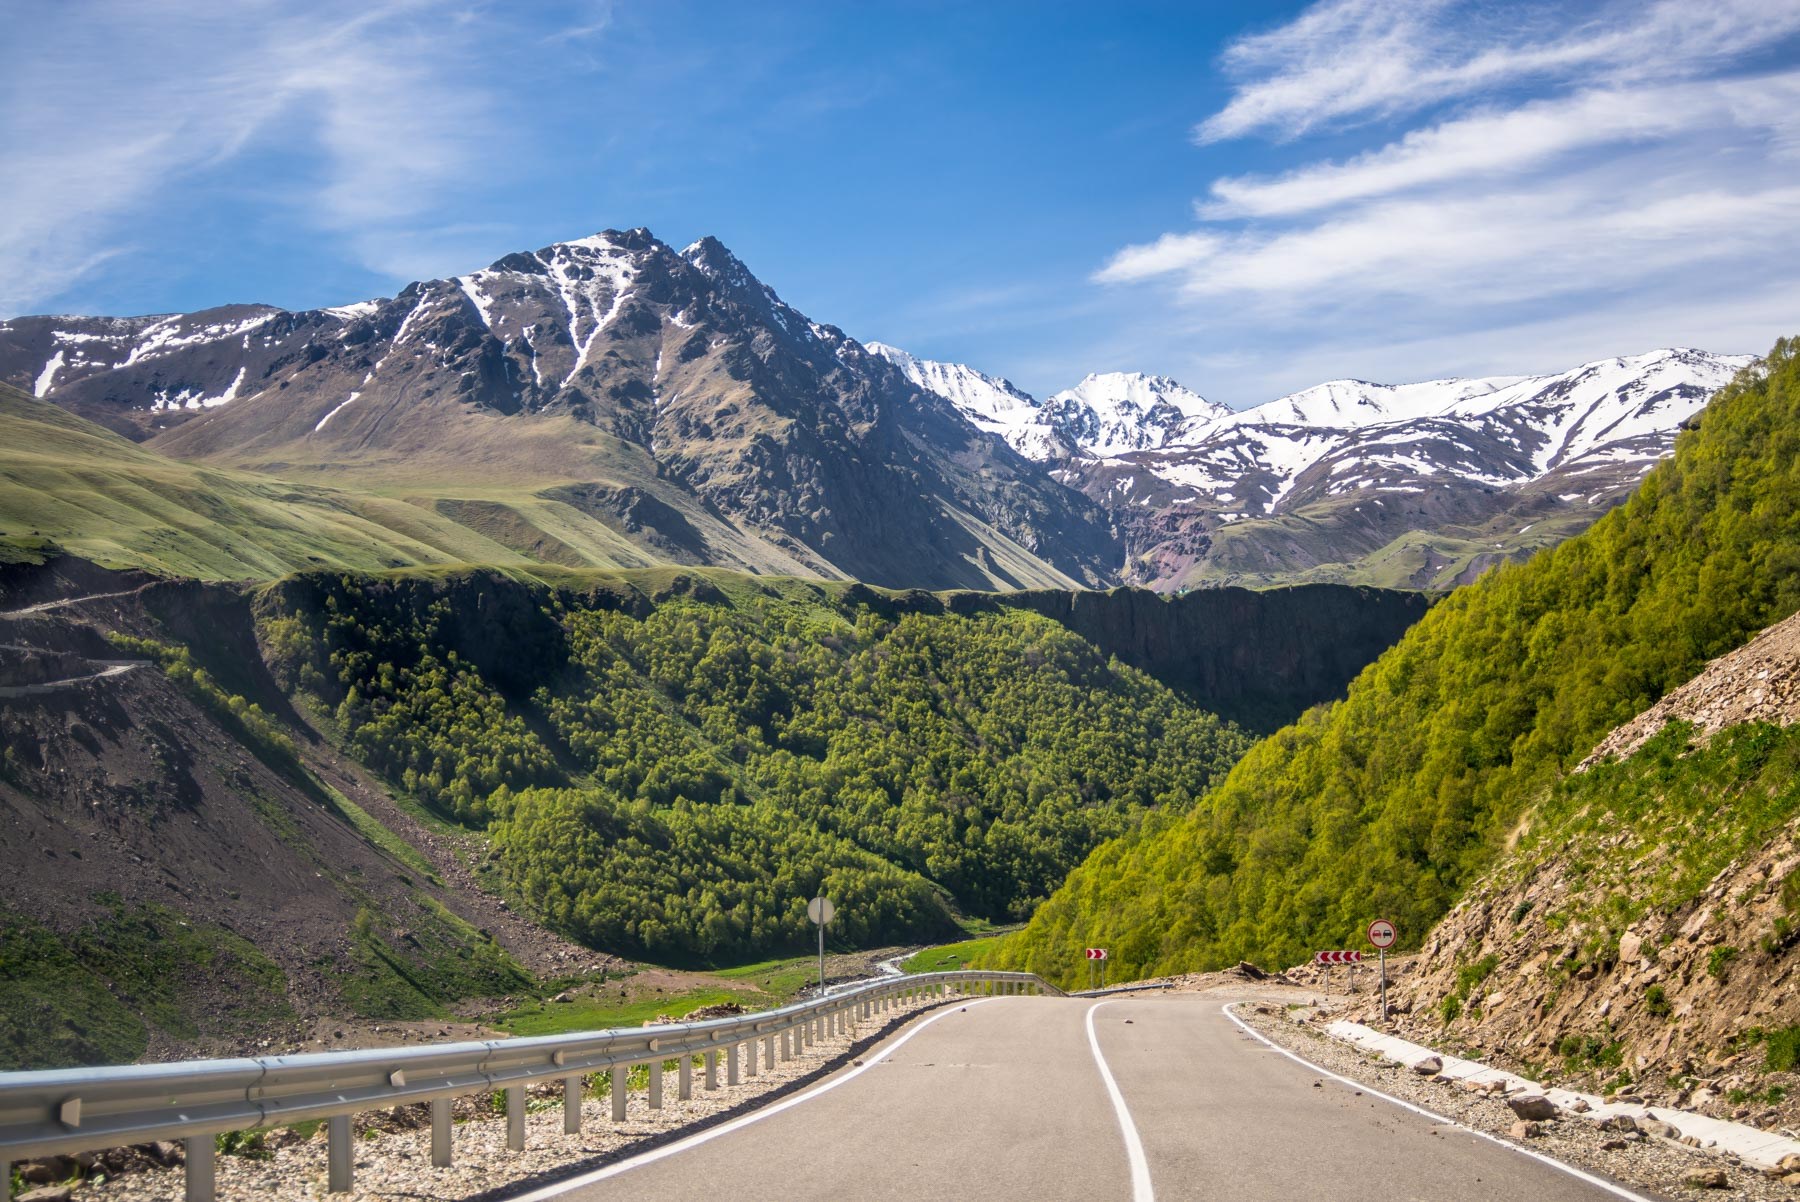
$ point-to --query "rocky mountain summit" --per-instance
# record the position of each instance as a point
(638, 404)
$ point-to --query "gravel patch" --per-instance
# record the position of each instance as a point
(1655, 1166)
(393, 1158)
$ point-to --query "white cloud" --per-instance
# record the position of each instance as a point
(110, 108)
(1619, 161)
(1345, 59)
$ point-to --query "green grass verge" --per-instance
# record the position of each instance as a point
(949, 957)
(595, 1014)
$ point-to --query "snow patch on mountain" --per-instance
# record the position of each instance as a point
(995, 405)
(1113, 413)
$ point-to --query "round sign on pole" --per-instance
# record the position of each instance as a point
(820, 910)
(1382, 933)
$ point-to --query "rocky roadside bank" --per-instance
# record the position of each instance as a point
(1622, 1153)
(394, 1146)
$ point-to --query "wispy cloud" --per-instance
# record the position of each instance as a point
(1526, 171)
(373, 112)
(1350, 59)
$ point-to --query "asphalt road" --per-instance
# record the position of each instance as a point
(1006, 1098)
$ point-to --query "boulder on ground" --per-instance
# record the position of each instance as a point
(1431, 1066)
(1526, 1129)
(1533, 1106)
(1707, 1179)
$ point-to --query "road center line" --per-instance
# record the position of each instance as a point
(1134, 1147)
(756, 1116)
(1571, 1170)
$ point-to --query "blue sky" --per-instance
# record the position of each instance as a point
(1251, 198)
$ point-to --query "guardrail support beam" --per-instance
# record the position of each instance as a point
(340, 1155)
(198, 1152)
(787, 1043)
(684, 1077)
(440, 1133)
(515, 1118)
(656, 1072)
(731, 1064)
(621, 1081)
(750, 1068)
(571, 1105)
(712, 1069)
(768, 1059)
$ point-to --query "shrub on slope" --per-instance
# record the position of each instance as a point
(1390, 800)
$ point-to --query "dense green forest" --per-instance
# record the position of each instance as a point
(677, 778)
(1390, 801)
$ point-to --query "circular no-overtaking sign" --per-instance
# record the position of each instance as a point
(820, 910)
(1382, 933)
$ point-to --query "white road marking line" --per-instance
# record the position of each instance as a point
(712, 1133)
(1134, 1147)
(1571, 1170)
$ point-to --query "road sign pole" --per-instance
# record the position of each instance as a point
(821, 959)
(1384, 984)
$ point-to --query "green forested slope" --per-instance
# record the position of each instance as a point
(1387, 802)
(678, 776)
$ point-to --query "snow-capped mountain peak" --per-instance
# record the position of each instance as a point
(1106, 414)
(1113, 413)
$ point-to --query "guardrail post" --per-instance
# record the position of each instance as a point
(198, 1151)
(340, 1155)
(787, 1043)
(515, 1118)
(768, 1059)
(712, 1068)
(750, 1069)
(684, 1077)
(621, 1080)
(571, 1105)
(440, 1132)
(731, 1064)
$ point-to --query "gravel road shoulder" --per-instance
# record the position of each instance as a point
(1650, 1165)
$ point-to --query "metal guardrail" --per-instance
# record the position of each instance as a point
(64, 1112)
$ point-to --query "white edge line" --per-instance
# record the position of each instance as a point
(1134, 1147)
(1601, 1182)
(712, 1133)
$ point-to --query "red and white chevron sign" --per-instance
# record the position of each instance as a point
(1338, 957)
(1096, 953)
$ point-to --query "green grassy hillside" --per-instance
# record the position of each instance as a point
(73, 484)
(1390, 801)
(675, 771)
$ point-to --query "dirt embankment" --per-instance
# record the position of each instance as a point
(1759, 682)
(133, 810)
(1567, 963)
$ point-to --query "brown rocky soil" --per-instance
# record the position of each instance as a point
(1674, 1010)
(125, 787)
(1759, 682)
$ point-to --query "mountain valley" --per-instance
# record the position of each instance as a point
(613, 402)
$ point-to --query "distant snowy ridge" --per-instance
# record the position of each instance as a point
(1162, 445)
(1498, 431)
(1106, 414)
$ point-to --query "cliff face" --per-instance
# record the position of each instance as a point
(1257, 657)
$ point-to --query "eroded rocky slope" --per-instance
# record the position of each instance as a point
(1641, 932)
